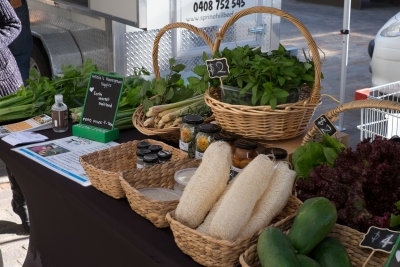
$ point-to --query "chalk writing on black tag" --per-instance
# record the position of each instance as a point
(394, 258)
(379, 239)
(217, 68)
(324, 125)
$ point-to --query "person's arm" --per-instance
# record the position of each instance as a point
(10, 25)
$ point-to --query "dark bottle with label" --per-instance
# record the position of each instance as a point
(59, 114)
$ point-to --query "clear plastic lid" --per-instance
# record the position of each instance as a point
(58, 98)
(183, 176)
(161, 194)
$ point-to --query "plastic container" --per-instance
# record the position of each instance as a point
(188, 132)
(161, 194)
(155, 149)
(59, 114)
(205, 137)
(182, 177)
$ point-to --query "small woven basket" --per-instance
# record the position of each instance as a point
(287, 120)
(103, 167)
(161, 176)
(171, 133)
(210, 251)
(349, 237)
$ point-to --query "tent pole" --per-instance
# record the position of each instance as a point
(345, 49)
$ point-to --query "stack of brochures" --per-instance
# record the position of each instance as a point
(37, 123)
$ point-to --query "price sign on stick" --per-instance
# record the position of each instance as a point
(394, 258)
(324, 125)
(379, 239)
(218, 68)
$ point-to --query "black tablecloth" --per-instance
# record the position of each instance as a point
(75, 226)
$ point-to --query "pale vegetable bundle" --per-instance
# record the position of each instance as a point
(272, 201)
(238, 203)
(164, 116)
(206, 185)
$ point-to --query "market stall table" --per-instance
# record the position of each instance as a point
(73, 225)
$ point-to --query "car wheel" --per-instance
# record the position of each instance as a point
(39, 60)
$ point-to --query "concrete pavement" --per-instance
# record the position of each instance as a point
(324, 23)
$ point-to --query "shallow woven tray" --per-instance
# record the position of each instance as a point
(287, 120)
(157, 176)
(210, 251)
(138, 118)
(349, 237)
(103, 167)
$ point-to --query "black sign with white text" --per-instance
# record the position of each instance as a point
(102, 99)
(324, 125)
(379, 239)
(217, 68)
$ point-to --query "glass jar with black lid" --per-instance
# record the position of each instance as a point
(228, 137)
(143, 144)
(188, 132)
(245, 152)
(205, 137)
(275, 153)
(150, 160)
(140, 153)
(164, 156)
(154, 149)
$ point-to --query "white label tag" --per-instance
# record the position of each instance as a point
(183, 146)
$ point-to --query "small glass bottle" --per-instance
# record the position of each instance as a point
(205, 137)
(140, 153)
(154, 149)
(59, 114)
(188, 132)
(164, 156)
(245, 152)
(228, 137)
(150, 160)
(143, 144)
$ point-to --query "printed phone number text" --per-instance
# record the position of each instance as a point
(217, 4)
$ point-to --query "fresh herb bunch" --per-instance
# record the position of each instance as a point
(168, 89)
(364, 185)
(273, 78)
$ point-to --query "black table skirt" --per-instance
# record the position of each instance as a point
(75, 226)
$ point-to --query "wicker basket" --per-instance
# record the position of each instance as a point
(103, 167)
(349, 237)
(138, 118)
(384, 105)
(287, 120)
(209, 251)
(156, 176)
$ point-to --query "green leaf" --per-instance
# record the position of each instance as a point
(308, 78)
(160, 86)
(172, 62)
(200, 70)
(147, 104)
(169, 94)
(193, 80)
(204, 57)
(174, 78)
(332, 142)
(265, 99)
(281, 80)
(273, 102)
(279, 93)
(398, 205)
(330, 155)
(394, 221)
(179, 68)
(306, 157)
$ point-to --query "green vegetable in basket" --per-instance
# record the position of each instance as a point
(312, 154)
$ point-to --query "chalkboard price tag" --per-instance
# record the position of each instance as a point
(102, 99)
(324, 125)
(217, 68)
(379, 239)
(394, 258)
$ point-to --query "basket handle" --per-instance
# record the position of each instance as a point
(359, 104)
(315, 93)
(173, 26)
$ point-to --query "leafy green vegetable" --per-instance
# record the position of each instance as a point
(395, 220)
(313, 154)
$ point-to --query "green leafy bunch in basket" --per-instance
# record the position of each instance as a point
(272, 78)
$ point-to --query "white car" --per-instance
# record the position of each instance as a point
(385, 53)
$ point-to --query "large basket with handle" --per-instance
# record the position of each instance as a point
(171, 133)
(286, 120)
